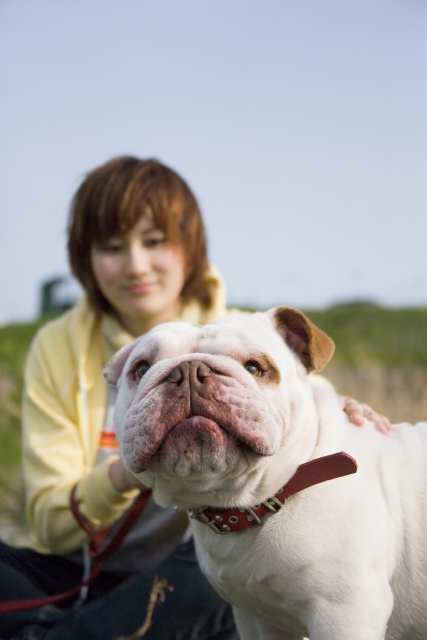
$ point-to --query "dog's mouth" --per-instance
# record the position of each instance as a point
(198, 429)
(196, 443)
(202, 438)
(200, 426)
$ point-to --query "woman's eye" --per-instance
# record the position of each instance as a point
(141, 369)
(253, 367)
(153, 242)
(112, 247)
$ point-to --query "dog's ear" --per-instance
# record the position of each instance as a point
(114, 367)
(313, 347)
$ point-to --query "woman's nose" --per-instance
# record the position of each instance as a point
(138, 260)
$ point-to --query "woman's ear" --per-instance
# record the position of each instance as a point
(313, 347)
(114, 367)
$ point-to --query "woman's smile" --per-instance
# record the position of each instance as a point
(139, 288)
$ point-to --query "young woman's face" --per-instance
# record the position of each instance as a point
(141, 275)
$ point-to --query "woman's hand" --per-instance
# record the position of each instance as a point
(358, 412)
(122, 479)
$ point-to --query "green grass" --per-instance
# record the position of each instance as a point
(365, 334)
(14, 343)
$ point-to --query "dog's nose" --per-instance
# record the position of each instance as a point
(193, 370)
(178, 374)
(200, 370)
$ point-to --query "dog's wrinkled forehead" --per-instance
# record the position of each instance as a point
(232, 336)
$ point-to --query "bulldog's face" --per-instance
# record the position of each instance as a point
(202, 408)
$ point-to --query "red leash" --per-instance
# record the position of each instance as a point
(97, 553)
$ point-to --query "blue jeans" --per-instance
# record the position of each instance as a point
(117, 604)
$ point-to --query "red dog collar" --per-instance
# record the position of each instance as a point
(307, 475)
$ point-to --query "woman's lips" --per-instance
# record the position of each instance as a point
(140, 288)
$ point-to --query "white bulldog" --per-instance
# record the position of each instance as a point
(223, 416)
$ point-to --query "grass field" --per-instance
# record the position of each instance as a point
(380, 358)
(14, 343)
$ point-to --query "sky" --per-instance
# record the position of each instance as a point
(301, 126)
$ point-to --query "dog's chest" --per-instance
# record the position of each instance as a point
(258, 569)
(324, 543)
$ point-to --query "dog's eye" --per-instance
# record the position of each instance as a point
(141, 369)
(253, 367)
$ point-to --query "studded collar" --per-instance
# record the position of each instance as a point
(307, 475)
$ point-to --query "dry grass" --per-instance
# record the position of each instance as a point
(13, 527)
(12, 506)
(400, 394)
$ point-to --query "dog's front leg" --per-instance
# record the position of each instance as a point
(353, 635)
(252, 628)
(338, 621)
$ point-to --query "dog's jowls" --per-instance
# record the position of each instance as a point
(222, 416)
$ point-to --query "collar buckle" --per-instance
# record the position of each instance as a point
(201, 516)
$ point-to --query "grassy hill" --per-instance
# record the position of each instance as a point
(14, 343)
(365, 334)
(380, 357)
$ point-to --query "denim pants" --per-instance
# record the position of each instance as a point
(117, 604)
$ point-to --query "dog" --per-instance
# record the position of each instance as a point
(225, 422)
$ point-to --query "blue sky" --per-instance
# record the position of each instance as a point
(301, 125)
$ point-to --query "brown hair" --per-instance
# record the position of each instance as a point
(112, 199)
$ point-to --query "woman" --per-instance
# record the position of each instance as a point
(137, 244)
